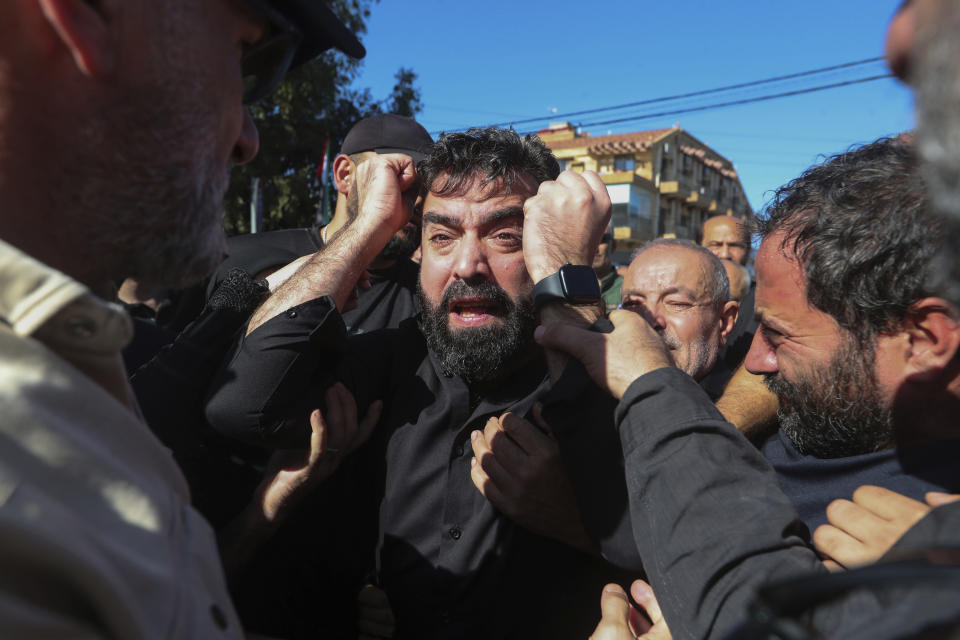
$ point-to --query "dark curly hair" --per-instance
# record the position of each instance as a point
(861, 226)
(488, 154)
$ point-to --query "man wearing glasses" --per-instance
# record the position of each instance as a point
(119, 122)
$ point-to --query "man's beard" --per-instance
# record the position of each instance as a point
(402, 244)
(476, 354)
(936, 75)
(836, 412)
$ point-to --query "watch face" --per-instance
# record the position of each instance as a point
(580, 284)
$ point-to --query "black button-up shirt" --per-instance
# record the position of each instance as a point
(451, 564)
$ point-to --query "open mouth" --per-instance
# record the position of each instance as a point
(474, 311)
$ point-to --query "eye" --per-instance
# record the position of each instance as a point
(771, 335)
(632, 304)
(678, 305)
(509, 239)
(440, 238)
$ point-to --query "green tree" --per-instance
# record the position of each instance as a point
(313, 103)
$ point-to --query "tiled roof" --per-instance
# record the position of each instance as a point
(613, 144)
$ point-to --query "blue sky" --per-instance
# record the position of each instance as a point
(487, 62)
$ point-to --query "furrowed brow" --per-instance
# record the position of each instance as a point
(510, 213)
(439, 218)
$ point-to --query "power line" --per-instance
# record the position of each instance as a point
(731, 103)
(691, 94)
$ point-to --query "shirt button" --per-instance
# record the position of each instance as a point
(291, 314)
(455, 533)
(218, 616)
(81, 327)
(458, 451)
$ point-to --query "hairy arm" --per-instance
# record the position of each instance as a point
(334, 270)
(748, 405)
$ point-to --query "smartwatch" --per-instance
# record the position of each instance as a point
(575, 284)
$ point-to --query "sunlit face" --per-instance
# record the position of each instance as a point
(670, 287)
(166, 138)
(475, 237)
(723, 237)
(474, 288)
(835, 397)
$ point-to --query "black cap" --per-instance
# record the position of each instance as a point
(321, 28)
(388, 133)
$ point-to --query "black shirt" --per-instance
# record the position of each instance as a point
(452, 565)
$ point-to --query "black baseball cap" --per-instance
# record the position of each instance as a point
(388, 133)
(321, 29)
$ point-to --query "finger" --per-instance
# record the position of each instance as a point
(615, 614)
(364, 281)
(488, 488)
(349, 408)
(643, 595)
(839, 545)
(540, 422)
(600, 194)
(939, 498)
(334, 416)
(856, 521)
(888, 504)
(486, 460)
(832, 565)
(530, 439)
(366, 426)
(318, 436)
(506, 450)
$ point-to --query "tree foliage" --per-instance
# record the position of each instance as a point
(313, 103)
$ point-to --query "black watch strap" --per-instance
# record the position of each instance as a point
(573, 284)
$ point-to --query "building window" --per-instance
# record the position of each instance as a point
(619, 215)
(577, 166)
(564, 163)
(687, 165)
(624, 163)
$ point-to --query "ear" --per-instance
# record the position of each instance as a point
(343, 170)
(934, 333)
(84, 29)
(728, 318)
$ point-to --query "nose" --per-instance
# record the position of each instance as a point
(723, 252)
(761, 358)
(653, 317)
(471, 261)
(248, 142)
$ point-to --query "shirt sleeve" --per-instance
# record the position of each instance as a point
(709, 519)
(266, 389)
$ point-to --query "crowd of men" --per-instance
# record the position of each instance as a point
(446, 414)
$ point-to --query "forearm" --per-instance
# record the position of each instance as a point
(561, 313)
(333, 271)
(748, 404)
(710, 521)
(266, 390)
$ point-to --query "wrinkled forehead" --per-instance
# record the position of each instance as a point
(662, 269)
(722, 231)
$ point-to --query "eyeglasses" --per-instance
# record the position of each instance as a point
(265, 63)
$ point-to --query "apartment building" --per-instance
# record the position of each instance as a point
(662, 182)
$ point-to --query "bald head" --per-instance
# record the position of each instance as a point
(727, 238)
(682, 291)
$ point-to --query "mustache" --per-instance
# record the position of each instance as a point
(483, 289)
(671, 341)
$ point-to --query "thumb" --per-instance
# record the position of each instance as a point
(643, 595)
(938, 498)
